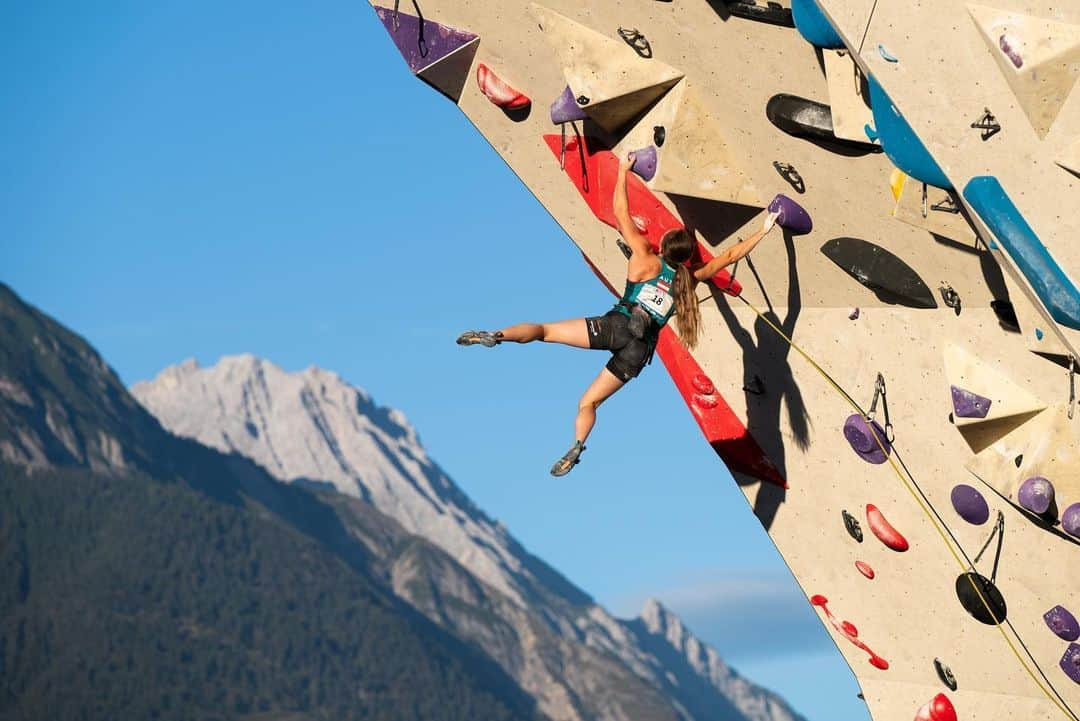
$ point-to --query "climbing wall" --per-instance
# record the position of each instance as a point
(934, 540)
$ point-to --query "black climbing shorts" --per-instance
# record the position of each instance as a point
(628, 354)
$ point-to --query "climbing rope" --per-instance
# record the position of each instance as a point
(959, 555)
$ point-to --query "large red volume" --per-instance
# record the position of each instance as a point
(723, 429)
(595, 180)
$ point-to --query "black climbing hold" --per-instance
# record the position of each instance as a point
(659, 135)
(988, 124)
(852, 525)
(582, 100)
(809, 119)
(945, 674)
(1006, 315)
(1018, 460)
(626, 249)
(950, 297)
(788, 173)
(755, 386)
(892, 280)
(635, 39)
(981, 598)
(772, 13)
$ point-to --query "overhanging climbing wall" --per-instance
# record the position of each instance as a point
(942, 563)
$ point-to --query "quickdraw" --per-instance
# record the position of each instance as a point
(999, 531)
(880, 392)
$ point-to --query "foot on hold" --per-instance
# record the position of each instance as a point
(482, 337)
(567, 462)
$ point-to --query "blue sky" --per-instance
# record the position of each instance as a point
(201, 179)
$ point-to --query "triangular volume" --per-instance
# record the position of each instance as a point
(695, 158)
(1048, 446)
(608, 79)
(421, 42)
(450, 74)
(980, 393)
(931, 209)
(1039, 58)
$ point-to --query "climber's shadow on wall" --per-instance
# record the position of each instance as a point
(768, 381)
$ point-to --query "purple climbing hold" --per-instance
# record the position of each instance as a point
(421, 44)
(645, 162)
(792, 216)
(969, 405)
(1070, 520)
(858, 433)
(1070, 662)
(565, 108)
(1062, 623)
(970, 504)
(1036, 494)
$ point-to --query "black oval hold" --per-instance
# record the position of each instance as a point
(582, 100)
(659, 135)
(945, 674)
(991, 612)
(852, 526)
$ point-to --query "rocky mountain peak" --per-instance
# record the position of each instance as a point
(311, 425)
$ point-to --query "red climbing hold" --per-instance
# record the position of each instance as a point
(940, 708)
(848, 630)
(864, 569)
(705, 402)
(497, 90)
(884, 530)
(703, 384)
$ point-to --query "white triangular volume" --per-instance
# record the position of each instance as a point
(970, 375)
(696, 159)
(1039, 58)
(449, 75)
(1047, 446)
(616, 83)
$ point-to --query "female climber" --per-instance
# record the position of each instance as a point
(657, 287)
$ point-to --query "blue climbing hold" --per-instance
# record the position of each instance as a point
(1054, 288)
(886, 55)
(814, 26)
(1038, 334)
(900, 142)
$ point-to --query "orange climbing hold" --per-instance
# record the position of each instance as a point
(498, 91)
(864, 569)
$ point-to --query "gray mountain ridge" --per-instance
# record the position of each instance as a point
(468, 574)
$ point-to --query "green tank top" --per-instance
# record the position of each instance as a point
(656, 295)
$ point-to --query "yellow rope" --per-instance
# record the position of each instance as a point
(922, 504)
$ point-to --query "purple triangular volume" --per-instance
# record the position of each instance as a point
(969, 405)
(422, 43)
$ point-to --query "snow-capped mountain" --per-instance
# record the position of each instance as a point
(313, 427)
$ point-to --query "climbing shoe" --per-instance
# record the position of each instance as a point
(483, 337)
(567, 462)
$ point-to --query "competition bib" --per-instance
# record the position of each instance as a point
(655, 301)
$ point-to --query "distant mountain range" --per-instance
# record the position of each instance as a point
(286, 546)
